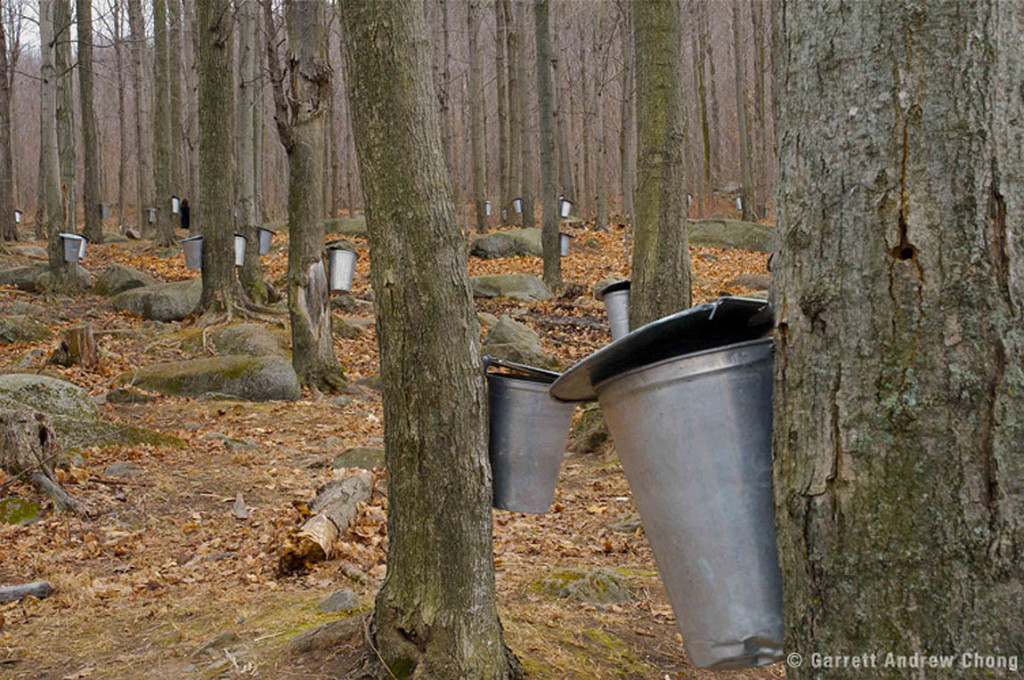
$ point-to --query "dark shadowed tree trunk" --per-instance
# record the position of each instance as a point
(162, 126)
(661, 257)
(435, 615)
(548, 182)
(561, 110)
(8, 228)
(301, 112)
(64, 72)
(707, 53)
(476, 118)
(742, 118)
(501, 75)
(899, 386)
(93, 229)
(174, 49)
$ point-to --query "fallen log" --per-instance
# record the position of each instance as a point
(335, 506)
(28, 449)
(38, 589)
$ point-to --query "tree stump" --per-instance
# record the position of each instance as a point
(77, 347)
(28, 449)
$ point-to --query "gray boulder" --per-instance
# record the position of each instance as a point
(339, 600)
(19, 328)
(254, 378)
(363, 457)
(243, 339)
(162, 302)
(117, 278)
(732, 234)
(755, 281)
(80, 277)
(114, 237)
(34, 252)
(346, 226)
(518, 286)
(514, 341)
(600, 586)
(511, 243)
(23, 278)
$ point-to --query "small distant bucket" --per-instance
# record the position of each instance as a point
(739, 203)
(563, 243)
(104, 211)
(74, 247)
(528, 434)
(517, 205)
(487, 208)
(152, 215)
(240, 242)
(17, 217)
(565, 207)
(616, 304)
(192, 247)
(175, 203)
(341, 266)
(266, 236)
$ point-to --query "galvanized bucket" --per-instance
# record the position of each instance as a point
(192, 247)
(528, 435)
(565, 207)
(517, 205)
(616, 304)
(563, 243)
(175, 204)
(266, 236)
(74, 247)
(240, 242)
(487, 208)
(341, 265)
(694, 436)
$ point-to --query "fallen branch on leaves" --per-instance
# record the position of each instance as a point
(39, 589)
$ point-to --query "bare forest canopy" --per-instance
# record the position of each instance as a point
(593, 89)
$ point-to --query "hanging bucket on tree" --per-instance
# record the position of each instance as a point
(266, 236)
(192, 247)
(17, 217)
(74, 247)
(487, 208)
(565, 207)
(152, 215)
(240, 241)
(528, 435)
(104, 211)
(616, 305)
(688, 403)
(517, 205)
(563, 243)
(341, 265)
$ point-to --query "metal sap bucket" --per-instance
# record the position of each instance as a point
(528, 435)
(563, 243)
(266, 236)
(517, 205)
(341, 267)
(192, 247)
(565, 207)
(487, 208)
(616, 304)
(240, 242)
(694, 434)
(74, 247)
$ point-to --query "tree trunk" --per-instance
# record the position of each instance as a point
(162, 126)
(64, 66)
(627, 111)
(661, 256)
(586, 190)
(529, 220)
(501, 75)
(143, 121)
(49, 164)
(216, 106)
(435, 615)
(476, 118)
(93, 229)
(251, 273)
(716, 129)
(548, 182)
(175, 47)
(899, 283)
(122, 115)
(561, 124)
(704, 191)
(760, 189)
(515, 124)
(600, 139)
(28, 448)
(77, 347)
(8, 228)
(746, 153)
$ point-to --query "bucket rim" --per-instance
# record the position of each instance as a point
(699, 363)
(198, 237)
(520, 371)
(613, 287)
(344, 249)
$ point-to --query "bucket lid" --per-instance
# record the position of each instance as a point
(192, 238)
(521, 370)
(73, 237)
(624, 284)
(725, 321)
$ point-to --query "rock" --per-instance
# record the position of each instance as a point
(346, 226)
(243, 339)
(162, 302)
(117, 278)
(20, 391)
(17, 328)
(238, 509)
(114, 237)
(254, 378)
(344, 303)
(14, 510)
(341, 401)
(518, 286)
(339, 600)
(80, 278)
(372, 382)
(23, 278)
(231, 443)
(486, 320)
(223, 640)
(34, 252)
(362, 457)
(590, 432)
(127, 395)
(333, 443)
(755, 281)
(511, 243)
(514, 341)
(343, 328)
(732, 234)
(626, 523)
(604, 283)
(600, 586)
(572, 290)
(122, 469)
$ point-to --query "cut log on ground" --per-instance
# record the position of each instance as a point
(39, 590)
(28, 449)
(335, 506)
(77, 347)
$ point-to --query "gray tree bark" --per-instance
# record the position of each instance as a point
(246, 103)
(627, 113)
(898, 292)
(561, 121)
(760, 124)
(175, 48)
(476, 118)
(49, 161)
(746, 151)
(162, 126)
(661, 255)
(301, 114)
(515, 124)
(529, 219)
(708, 55)
(501, 75)
(64, 73)
(122, 114)
(143, 120)
(548, 183)
(8, 228)
(586, 126)
(93, 229)
(435, 615)
(705, 191)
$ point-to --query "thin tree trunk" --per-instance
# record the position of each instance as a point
(601, 128)
(760, 153)
(162, 126)
(336, 152)
(8, 228)
(174, 45)
(65, 111)
(716, 130)
(661, 257)
(529, 220)
(898, 285)
(704, 174)
(746, 155)
(515, 124)
(626, 114)
(561, 123)
(122, 114)
(501, 75)
(476, 118)
(435, 615)
(586, 193)
(251, 273)
(548, 181)
(49, 163)
(93, 229)
(143, 120)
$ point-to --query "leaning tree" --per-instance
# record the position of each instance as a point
(435, 615)
(899, 295)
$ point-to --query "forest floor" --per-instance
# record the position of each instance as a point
(163, 581)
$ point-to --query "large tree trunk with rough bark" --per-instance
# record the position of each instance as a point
(162, 126)
(8, 227)
(661, 256)
(64, 72)
(143, 120)
(476, 118)
(548, 182)
(93, 229)
(435, 615)
(899, 284)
